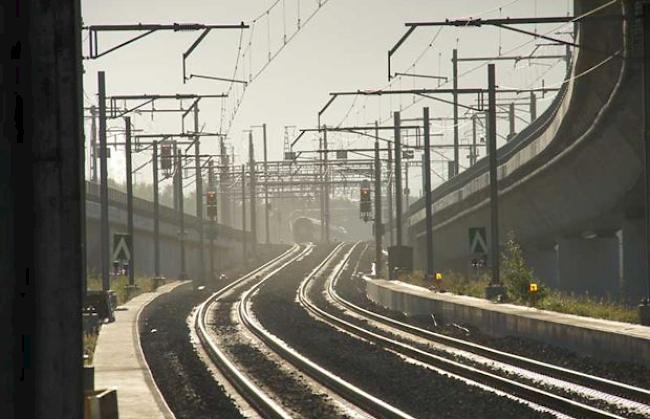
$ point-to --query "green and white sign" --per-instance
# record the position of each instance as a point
(122, 247)
(478, 240)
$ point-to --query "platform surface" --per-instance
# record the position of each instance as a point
(119, 362)
(608, 326)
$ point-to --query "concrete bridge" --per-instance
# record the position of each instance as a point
(227, 245)
(570, 184)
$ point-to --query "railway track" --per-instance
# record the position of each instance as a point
(505, 383)
(263, 403)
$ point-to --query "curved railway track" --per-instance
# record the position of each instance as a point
(525, 391)
(264, 404)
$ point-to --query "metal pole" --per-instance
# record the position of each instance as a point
(428, 204)
(511, 117)
(454, 62)
(327, 188)
(93, 142)
(266, 190)
(474, 149)
(378, 222)
(398, 178)
(322, 192)
(199, 195)
(243, 211)
(181, 212)
(129, 200)
(104, 231)
(213, 227)
(252, 192)
(390, 195)
(156, 213)
(224, 182)
(494, 191)
(407, 190)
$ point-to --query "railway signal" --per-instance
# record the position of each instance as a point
(365, 205)
(166, 157)
(211, 203)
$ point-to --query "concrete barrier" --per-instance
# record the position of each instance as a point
(601, 339)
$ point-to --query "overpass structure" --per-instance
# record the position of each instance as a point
(226, 246)
(570, 184)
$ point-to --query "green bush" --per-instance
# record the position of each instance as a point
(517, 276)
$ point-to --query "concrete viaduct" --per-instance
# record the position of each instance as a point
(570, 184)
(227, 245)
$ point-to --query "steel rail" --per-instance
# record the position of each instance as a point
(522, 391)
(257, 398)
(597, 383)
(344, 389)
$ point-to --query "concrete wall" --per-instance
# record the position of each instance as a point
(596, 338)
(227, 245)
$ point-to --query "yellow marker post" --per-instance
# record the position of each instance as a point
(533, 288)
(438, 276)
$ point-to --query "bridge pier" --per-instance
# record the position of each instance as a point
(544, 262)
(591, 264)
(634, 270)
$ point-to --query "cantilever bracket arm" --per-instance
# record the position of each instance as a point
(191, 49)
(148, 29)
(397, 45)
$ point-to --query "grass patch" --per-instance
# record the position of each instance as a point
(553, 300)
(450, 282)
(584, 305)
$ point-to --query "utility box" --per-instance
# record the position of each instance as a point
(400, 261)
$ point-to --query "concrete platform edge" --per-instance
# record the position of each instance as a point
(600, 339)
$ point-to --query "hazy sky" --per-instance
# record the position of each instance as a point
(342, 48)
